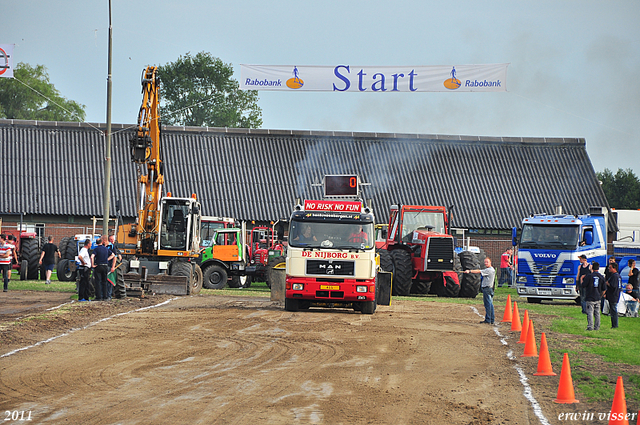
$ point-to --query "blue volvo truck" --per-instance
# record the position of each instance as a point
(548, 253)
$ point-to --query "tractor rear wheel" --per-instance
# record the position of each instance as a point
(31, 253)
(420, 286)
(402, 272)
(446, 286)
(386, 262)
(214, 277)
(469, 282)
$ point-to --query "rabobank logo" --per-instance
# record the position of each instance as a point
(295, 82)
(452, 83)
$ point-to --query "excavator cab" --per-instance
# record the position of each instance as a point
(180, 224)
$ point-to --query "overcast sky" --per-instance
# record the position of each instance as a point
(574, 65)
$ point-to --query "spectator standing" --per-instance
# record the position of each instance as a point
(487, 284)
(85, 271)
(100, 260)
(505, 268)
(48, 258)
(583, 270)
(594, 285)
(613, 293)
(11, 240)
(633, 274)
(6, 254)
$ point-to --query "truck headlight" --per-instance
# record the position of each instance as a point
(568, 281)
(297, 286)
(522, 279)
(361, 288)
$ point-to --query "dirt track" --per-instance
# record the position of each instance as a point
(211, 359)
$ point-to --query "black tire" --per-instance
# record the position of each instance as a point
(447, 287)
(24, 268)
(480, 256)
(120, 291)
(469, 282)
(62, 247)
(402, 272)
(291, 304)
(64, 271)
(240, 281)
(198, 278)
(214, 277)
(420, 286)
(386, 262)
(268, 275)
(31, 253)
(182, 268)
(368, 307)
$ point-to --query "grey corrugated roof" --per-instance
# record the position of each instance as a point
(58, 168)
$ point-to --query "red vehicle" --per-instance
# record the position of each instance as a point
(28, 251)
(264, 248)
(421, 253)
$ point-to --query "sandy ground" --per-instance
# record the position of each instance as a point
(231, 360)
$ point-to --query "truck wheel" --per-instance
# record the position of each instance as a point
(368, 307)
(469, 282)
(290, 304)
(402, 272)
(31, 253)
(215, 277)
(120, 291)
(240, 281)
(268, 275)
(24, 268)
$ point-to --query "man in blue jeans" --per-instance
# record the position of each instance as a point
(488, 278)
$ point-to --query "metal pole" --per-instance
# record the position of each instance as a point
(107, 160)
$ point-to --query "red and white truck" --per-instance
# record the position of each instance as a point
(331, 259)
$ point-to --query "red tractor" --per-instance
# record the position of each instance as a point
(28, 250)
(265, 248)
(421, 254)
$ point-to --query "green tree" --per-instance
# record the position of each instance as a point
(622, 189)
(31, 96)
(200, 91)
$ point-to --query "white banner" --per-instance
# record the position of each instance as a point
(6, 60)
(341, 78)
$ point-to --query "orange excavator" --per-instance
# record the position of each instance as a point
(161, 248)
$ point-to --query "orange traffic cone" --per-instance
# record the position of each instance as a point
(525, 328)
(507, 317)
(619, 406)
(515, 322)
(544, 362)
(530, 348)
(565, 389)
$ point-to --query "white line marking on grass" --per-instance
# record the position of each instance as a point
(10, 353)
(528, 393)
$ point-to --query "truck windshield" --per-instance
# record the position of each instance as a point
(175, 226)
(336, 235)
(549, 236)
(414, 220)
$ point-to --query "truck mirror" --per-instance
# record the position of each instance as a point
(514, 236)
(588, 237)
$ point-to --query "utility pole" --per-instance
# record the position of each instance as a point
(107, 157)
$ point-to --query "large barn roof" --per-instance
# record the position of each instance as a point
(56, 168)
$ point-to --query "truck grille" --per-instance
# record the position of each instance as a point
(330, 267)
(545, 268)
(439, 254)
(543, 280)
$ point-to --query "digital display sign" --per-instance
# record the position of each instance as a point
(341, 185)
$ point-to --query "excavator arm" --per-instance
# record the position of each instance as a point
(145, 151)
